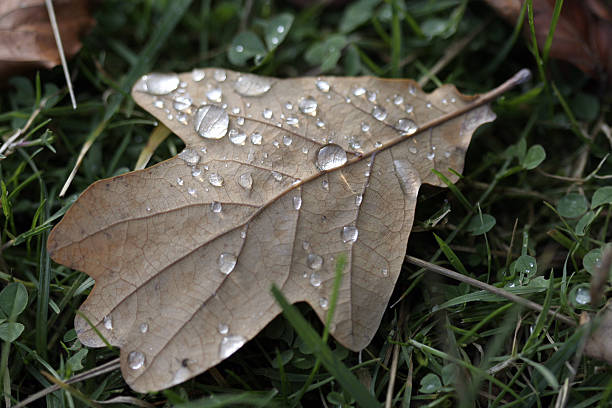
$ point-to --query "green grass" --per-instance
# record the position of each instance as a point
(531, 210)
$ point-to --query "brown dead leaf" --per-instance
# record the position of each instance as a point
(26, 38)
(583, 35)
(278, 178)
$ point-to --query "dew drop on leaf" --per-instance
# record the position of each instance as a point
(229, 345)
(214, 94)
(256, 138)
(158, 83)
(219, 75)
(211, 121)
(315, 279)
(215, 179)
(349, 234)
(406, 126)
(314, 261)
(297, 202)
(252, 85)
(308, 106)
(223, 328)
(330, 157)
(198, 74)
(323, 302)
(287, 140)
(246, 181)
(582, 296)
(267, 113)
(181, 102)
(226, 263)
(379, 113)
(144, 327)
(237, 137)
(216, 207)
(189, 156)
(108, 322)
(322, 85)
(135, 360)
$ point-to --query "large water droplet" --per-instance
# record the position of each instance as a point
(189, 156)
(349, 234)
(256, 138)
(582, 296)
(297, 202)
(379, 113)
(220, 75)
(216, 207)
(108, 322)
(252, 85)
(229, 345)
(135, 360)
(158, 83)
(181, 102)
(406, 126)
(214, 94)
(211, 121)
(197, 74)
(330, 157)
(246, 181)
(215, 179)
(236, 137)
(315, 279)
(322, 85)
(308, 106)
(226, 263)
(314, 261)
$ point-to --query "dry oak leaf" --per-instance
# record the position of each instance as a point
(26, 38)
(277, 179)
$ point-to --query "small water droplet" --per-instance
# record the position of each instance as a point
(582, 296)
(324, 303)
(148, 209)
(229, 345)
(196, 171)
(349, 234)
(365, 127)
(179, 181)
(308, 106)
(358, 199)
(406, 126)
(412, 90)
(135, 360)
(144, 327)
(211, 122)
(304, 150)
(223, 328)
(170, 116)
(246, 181)
(322, 85)
(252, 85)
(287, 140)
(216, 207)
(182, 118)
(276, 144)
(256, 138)
(214, 94)
(189, 156)
(274, 40)
(412, 150)
(378, 144)
(431, 155)
(320, 124)
(243, 233)
(385, 272)
(277, 176)
(293, 121)
(215, 179)
(330, 157)
(267, 113)
(359, 91)
(315, 279)
(280, 29)
(226, 262)
(219, 75)
(398, 99)
(191, 192)
(355, 144)
(325, 184)
(236, 137)
(306, 246)
(158, 83)
(108, 322)
(379, 113)
(182, 102)
(428, 105)
(297, 202)
(371, 96)
(409, 108)
(453, 99)
(239, 48)
(314, 261)
(198, 74)
(444, 101)
(158, 103)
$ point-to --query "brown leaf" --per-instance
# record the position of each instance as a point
(583, 35)
(278, 178)
(26, 38)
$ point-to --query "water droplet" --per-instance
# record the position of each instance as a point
(412, 90)
(170, 116)
(431, 155)
(287, 140)
(148, 209)
(256, 138)
(398, 99)
(236, 137)
(320, 124)
(409, 108)
(280, 29)
(182, 102)
(246, 181)
(428, 105)
(267, 113)
(371, 96)
(315, 279)
(355, 144)
(239, 48)
(330, 157)
(223, 328)
(182, 118)
(379, 113)
(314, 261)
(216, 207)
(211, 121)
(243, 233)
(349, 234)
(453, 100)
(288, 105)
(293, 121)
(143, 328)
(274, 40)
(195, 172)
(189, 156)
(158, 83)
(179, 181)
(197, 74)
(358, 199)
(323, 302)
(306, 246)
(276, 144)
(322, 85)
(229, 345)
(191, 192)
(297, 202)
(252, 85)
(219, 75)
(582, 296)
(226, 263)
(406, 126)
(215, 179)
(378, 144)
(385, 272)
(325, 184)
(240, 121)
(304, 150)
(214, 94)
(108, 322)
(158, 103)
(135, 360)
(444, 101)
(412, 150)
(308, 106)
(277, 176)
(359, 91)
